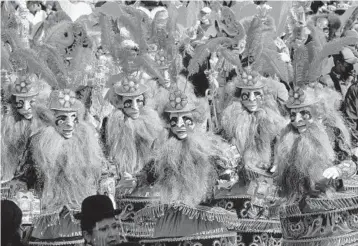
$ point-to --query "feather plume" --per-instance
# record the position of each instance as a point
(150, 67)
(254, 38)
(274, 64)
(246, 23)
(5, 62)
(331, 48)
(34, 64)
(106, 35)
(318, 38)
(232, 57)
(130, 17)
(284, 14)
(350, 21)
(10, 37)
(300, 65)
(241, 31)
(133, 21)
(202, 52)
(172, 26)
(52, 58)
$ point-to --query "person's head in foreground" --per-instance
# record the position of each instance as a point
(11, 217)
(99, 223)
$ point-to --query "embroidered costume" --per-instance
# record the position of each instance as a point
(63, 164)
(182, 173)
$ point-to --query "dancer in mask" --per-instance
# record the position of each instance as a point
(313, 165)
(63, 164)
(23, 115)
(253, 122)
(183, 174)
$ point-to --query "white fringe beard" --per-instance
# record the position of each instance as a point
(129, 141)
(252, 133)
(184, 169)
(74, 165)
(302, 157)
(14, 137)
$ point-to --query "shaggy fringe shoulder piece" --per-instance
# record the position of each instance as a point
(129, 141)
(183, 169)
(15, 136)
(68, 163)
(253, 131)
(331, 115)
(297, 176)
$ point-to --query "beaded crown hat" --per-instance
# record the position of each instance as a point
(128, 86)
(25, 86)
(299, 98)
(179, 102)
(249, 79)
(64, 100)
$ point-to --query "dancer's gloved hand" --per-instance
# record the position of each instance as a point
(332, 173)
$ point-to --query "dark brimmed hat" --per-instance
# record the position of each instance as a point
(96, 208)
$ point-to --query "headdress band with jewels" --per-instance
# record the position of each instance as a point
(299, 98)
(129, 86)
(25, 86)
(64, 100)
(179, 102)
(249, 80)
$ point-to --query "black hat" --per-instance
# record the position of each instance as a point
(95, 208)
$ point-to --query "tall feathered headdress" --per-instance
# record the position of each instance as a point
(348, 24)
(261, 51)
(224, 45)
(308, 59)
(119, 40)
(29, 60)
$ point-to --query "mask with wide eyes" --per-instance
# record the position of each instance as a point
(24, 106)
(66, 123)
(301, 119)
(132, 105)
(180, 123)
(130, 102)
(187, 121)
(251, 99)
(306, 115)
(246, 96)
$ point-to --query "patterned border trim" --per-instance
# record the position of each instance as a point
(138, 200)
(53, 218)
(337, 240)
(339, 203)
(139, 231)
(76, 242)
(176, 239)
(254, 226)
(220, 214)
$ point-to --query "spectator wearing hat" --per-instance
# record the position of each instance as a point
(99, 224)
(11, 217)
(342, 74)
